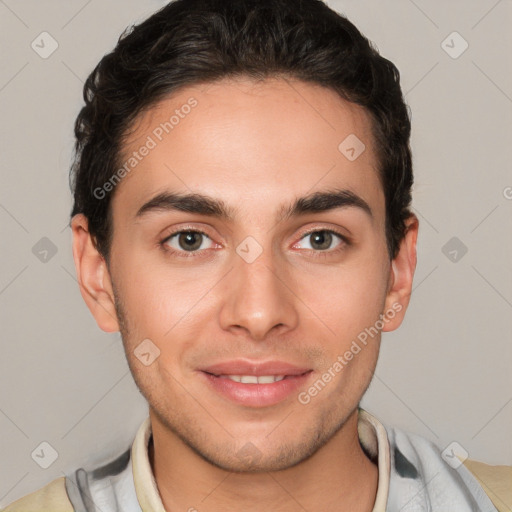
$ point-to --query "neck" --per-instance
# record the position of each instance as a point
(338, 477)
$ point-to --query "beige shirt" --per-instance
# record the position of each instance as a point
(128, 485)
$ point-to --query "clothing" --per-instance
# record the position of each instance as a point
(413, 477)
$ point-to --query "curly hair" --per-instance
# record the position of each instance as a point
(199, 41)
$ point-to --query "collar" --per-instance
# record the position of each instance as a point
(372, 436)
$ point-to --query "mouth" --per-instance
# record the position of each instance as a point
(253, 379)
(255, 384)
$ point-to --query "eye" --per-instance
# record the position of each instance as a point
(322, 240)
(188, 241)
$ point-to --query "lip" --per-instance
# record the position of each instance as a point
(246, 367)
(255, 395)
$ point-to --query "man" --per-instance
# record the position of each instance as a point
(242, 190)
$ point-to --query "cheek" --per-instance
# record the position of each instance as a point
(347, 298)
(159, 299)
(349, 302)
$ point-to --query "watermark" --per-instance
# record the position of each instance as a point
(454, 249)
(151, 142)
(507, 193)
(249, 453)
(146, 352)
(454, 45)
(44, 250)
(454, 454)
(44, 45)
(363, 337)
(352, 147)
(249, 249)
(44, 455)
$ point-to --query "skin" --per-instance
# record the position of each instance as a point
(256, 147)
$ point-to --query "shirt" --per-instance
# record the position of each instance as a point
(413, 477)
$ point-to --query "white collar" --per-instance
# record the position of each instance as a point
(372, 436)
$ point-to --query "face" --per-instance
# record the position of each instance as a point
(247, 247)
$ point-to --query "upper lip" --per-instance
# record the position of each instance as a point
(258, 368)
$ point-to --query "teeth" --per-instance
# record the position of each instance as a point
(268, 379)
(249, 379)
(254, 379)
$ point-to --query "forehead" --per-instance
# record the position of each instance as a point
(250, 143)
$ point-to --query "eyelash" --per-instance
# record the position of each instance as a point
(192, 254)
(329, 252)
(180, 254)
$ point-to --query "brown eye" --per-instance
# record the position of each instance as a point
(189, 241)
(321, 240)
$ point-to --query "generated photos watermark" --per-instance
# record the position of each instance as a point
(363, 337)
(151, 142)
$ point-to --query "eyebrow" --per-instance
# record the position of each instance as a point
(316, 202)
(324, 201)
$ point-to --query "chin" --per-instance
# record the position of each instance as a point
(250, 459)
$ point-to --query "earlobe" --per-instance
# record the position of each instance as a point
(93, 276)
(401, 278)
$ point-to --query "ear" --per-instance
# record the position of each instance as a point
(93, 276)
(401, 277)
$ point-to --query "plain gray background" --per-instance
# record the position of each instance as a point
(445, 374)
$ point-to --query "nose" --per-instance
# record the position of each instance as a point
(257, 299)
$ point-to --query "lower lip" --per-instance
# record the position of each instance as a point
(257, 395)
